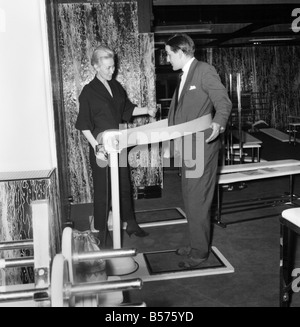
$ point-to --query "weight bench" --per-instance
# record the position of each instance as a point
(253, 147)
(254, 171)
(248, 142)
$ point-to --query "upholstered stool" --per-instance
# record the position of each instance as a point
(289, 228)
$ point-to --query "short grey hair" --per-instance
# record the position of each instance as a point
(101, 52)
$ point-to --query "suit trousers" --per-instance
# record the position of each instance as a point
(102, 193)
(198, 191)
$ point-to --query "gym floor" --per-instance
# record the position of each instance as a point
(251, 246)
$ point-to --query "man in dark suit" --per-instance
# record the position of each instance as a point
(200, 94)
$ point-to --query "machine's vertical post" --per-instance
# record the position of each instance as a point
(41, 243)
(239, 96)
(114, 171)
(230, 157)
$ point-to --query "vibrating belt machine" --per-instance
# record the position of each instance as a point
(114, 141)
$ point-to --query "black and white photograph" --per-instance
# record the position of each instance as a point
(149, 156)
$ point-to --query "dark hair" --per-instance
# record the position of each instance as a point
(182, 42)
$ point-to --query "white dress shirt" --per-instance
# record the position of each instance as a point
(185, 70)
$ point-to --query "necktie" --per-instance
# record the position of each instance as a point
(181, 84)
(177, 89)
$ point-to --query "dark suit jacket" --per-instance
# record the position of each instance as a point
(203, 93)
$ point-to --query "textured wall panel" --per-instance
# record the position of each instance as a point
(82, 27)
(271, 70)
(16, 220)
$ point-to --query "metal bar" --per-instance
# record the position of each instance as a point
(245, 202)
(257, 205)
(249, 202)
(284, 266)
(15, 245)
(291, 188)
(219, 205)
(264, 203)
(133, 305)
(267, 198)
(14, 263)
(250, 219)
(30, 294)
(218, 221)
(17, 296)
(251, 209)
(104, 254)
(111, 286)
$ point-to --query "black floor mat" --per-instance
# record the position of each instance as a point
(167, 262)
(158, 215)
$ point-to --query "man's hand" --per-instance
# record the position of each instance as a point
(216, 130)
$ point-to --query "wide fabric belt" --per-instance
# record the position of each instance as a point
(153, 133)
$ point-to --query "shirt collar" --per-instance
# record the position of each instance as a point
(187, 66)
(102, 80)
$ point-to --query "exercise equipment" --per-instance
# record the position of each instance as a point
(62, 293)
(276, 134)
(118, 262)
(239, 94)
(114, 141)
(231, 132)
(248, 142)
(14, 245)
(54, 279)
(41, 260)
(16, 262)
(40, 245)
(289, 274)
(257, 171)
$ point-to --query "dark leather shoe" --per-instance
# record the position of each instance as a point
(140, 233)
(136, 231)
(191, 263)
(105, 240)
(184, 251)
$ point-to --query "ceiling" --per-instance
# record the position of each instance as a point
(227, 23)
